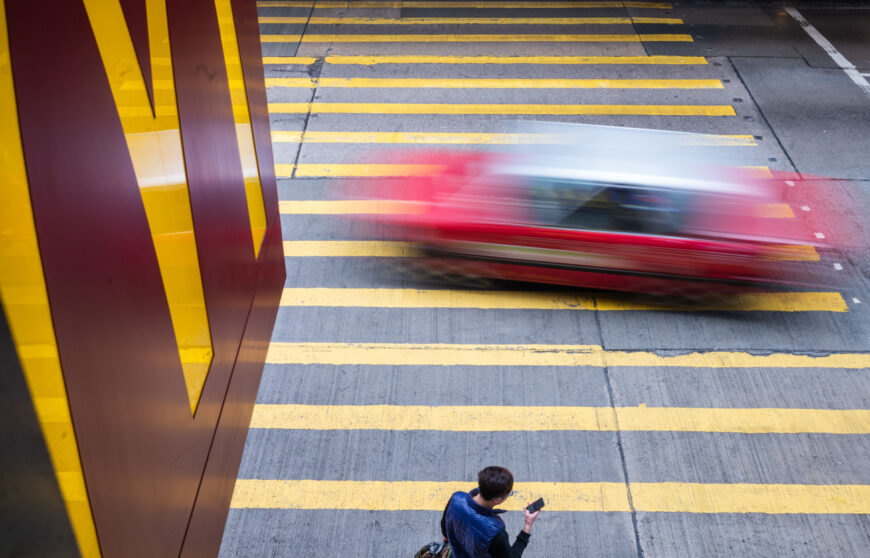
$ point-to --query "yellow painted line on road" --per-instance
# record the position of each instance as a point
(772, 210)
(390, 249)
(417, 495)
(349, 249)
(475, 138)
(320, 5)
(526, 109)
(797, 253)
(472, 20)
(751, 498)
(533, 60)
(501, 83)
(303, 60)
(443, 354)
(387, 207)
(348, 170)
(559, 496)
(532, 300)
(508, 418)
(346, 207)
(476, 38)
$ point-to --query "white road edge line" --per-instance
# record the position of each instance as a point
(841, 61)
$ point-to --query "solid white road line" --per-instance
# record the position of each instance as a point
(832, 51)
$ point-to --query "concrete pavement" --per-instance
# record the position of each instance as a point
(651, 432)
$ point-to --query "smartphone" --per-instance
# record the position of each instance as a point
(536, 505)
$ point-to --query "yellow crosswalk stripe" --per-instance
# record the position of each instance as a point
(321, 4)
(345, 207)
(531, 300)
(442, 354)
(385, 207)
(349, 170)
(476, 38)
(348, 248)
(303, 60)
(357, 170)
(389, 249)
(472, 20)
(797, 253)
(476, 138)
(509, 418)
(560, 496)
(523, 109)
(501, 83)
(534, 60)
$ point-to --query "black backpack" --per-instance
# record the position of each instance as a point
(435, 550)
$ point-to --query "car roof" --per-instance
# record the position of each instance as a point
(625, 178)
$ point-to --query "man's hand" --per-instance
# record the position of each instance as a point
(530, 519)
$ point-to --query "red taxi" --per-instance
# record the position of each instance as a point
(540, 219)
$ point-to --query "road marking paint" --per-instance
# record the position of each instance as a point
(507, 418)
(856, 301)
(350, 170)
(774, 210)
(832, 51)
(501, 83)
(819, 235)
(346, 207)
(805, 208)
(390, 249)
(560, 496)
(303, 60)
(473, 20)
(838, 267)
(417, 495)
(526, 109)
(534, 60)
(443, 354)
(532, 300)
(474, 138)
(796, 253)
(751, 498)
(789, 183)
(349, 249)
(476, 38)
(347, 170)
(761, 172)
(320, 5)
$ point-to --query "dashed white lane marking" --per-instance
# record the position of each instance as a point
(838, 267)
(820, 235)
(789, 183)
(855, 300)
(805, 208)
(832, 51)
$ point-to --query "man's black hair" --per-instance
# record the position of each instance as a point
(495, 482)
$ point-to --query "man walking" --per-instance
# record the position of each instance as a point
(471, 522)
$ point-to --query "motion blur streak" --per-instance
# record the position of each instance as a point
(624, 209)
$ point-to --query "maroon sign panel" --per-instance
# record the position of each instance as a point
(159, 480)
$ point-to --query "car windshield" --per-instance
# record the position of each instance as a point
(612, 207)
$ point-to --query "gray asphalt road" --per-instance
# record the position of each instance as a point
(650, 432)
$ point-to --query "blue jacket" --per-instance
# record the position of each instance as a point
(471, 527)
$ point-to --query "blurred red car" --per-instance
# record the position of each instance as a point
(498, 216)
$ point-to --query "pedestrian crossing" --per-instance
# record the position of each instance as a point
(642, 426)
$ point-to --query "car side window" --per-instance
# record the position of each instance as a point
(568, 204)
(608, 207)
